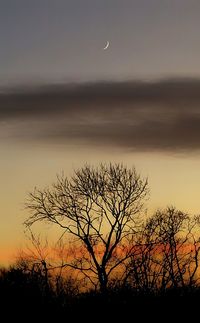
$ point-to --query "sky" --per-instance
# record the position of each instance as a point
(64, 101)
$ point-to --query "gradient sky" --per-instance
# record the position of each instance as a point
(53, 40)
(64, 101)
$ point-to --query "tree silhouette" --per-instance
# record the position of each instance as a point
(35, 260)
(99, 207)
(44, 262)
(167, 253)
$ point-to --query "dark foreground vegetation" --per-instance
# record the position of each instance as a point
(25, 296)
(115, 260)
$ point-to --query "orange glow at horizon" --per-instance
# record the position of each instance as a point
(38, 166)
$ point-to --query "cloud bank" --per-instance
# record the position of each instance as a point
(134, 115)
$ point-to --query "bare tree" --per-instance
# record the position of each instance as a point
(99, 207)
(45, 264)
(36, 260)
(167, 252)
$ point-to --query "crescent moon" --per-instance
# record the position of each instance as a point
(107, 44)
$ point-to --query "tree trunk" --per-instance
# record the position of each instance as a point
(103, 280)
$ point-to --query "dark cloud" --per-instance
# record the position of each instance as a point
(162, 115)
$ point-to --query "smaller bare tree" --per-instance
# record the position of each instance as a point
(35, 259)
(167, 252)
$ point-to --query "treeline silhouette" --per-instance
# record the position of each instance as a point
(32, 289)
(119, 260)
